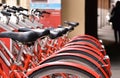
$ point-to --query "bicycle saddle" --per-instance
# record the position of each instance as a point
(55, 34)
(24, 29)
(74, 24)
(70, 28)
(63, 30)
(40, 32)
(23, 37)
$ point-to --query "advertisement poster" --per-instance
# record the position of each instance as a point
(51, 6)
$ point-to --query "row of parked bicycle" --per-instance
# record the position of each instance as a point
(17, 17)
(49, 53)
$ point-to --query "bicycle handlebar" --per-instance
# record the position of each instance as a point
(22, 9)
(24, 14)
(5, 13)
(1, 4)
(10, 10)
(18, 8)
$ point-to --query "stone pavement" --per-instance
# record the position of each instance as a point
(112, 49)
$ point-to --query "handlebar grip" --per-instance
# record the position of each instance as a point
(22, 9)
(5, 6)
(5, 13)
(10, 10)
(25, 14)
(14, 8)
(38, 11)
(18, 8)
(1, 4)
(45, 12)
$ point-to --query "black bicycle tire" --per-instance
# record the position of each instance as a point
(77, 58)
(58, 67)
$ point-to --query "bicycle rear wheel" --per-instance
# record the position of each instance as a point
(77, 58)
(87, 36)
(86, 44)
(86, 40)
(72, 70)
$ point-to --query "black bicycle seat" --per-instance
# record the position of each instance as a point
(63, 30)
(74, 24)
(70, 28)
(40, 32)
(55, 34)
(24, 29)
(23, 37)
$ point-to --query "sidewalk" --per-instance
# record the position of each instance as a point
(113, 50)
